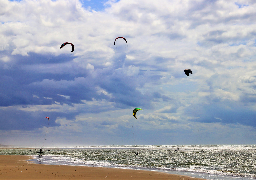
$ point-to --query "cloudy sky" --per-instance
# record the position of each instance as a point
(89, 94)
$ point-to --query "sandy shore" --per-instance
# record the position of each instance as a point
(17, 167)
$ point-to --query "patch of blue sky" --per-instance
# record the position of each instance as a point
(96, 5)
(199, 43)
(241, 5)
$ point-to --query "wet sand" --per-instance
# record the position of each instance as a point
(17, 167)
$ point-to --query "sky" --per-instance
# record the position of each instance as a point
(89, 94)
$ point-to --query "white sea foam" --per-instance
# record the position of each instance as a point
(204, 161)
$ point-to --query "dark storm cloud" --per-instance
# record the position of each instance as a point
(40, 80)
(14, 93)
(19, 82)
(248, 98)
(20, 119)
(13, 119)
(124, 89)
(226, 114)
(158, 96)
(34, 58)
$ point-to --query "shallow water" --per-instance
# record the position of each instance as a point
(208, 162)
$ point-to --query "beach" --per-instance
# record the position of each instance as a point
(17, 167)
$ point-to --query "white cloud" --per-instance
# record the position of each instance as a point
(100, 90)
(89, 66)
(5, 58)
(67, 97)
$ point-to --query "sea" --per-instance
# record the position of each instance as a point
(200, 161)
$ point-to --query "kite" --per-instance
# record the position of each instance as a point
(119, 37)
(64, 44)
(47, 118)
(187, 71)
(135, 110)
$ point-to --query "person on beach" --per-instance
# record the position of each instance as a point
(40, 153)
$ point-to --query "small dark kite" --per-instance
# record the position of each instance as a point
(187, 71)
(64, 44)
(117, 38)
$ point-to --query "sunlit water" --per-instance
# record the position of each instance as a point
(203, 161)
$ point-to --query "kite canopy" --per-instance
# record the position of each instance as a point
(64, 44)
(117, 38)
(135, 111)
(187, 71)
